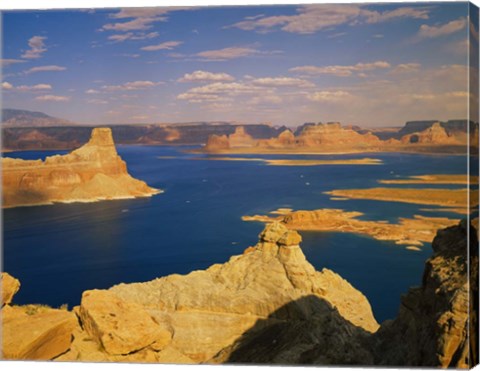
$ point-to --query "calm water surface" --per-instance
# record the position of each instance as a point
(59, 251)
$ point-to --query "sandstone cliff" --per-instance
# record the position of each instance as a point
(434, 134)
(239, 139)
(92, 172)
(268, 305)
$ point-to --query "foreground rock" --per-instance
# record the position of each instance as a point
(268, 305)
(9, 287)
(433, 324)
(90, 173)
(120, 327)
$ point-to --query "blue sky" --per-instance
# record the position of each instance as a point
(368, 65)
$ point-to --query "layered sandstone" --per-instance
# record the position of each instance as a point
(433, 325)
(239, 139)
(434, 134)
(268, 305)
(90, 173)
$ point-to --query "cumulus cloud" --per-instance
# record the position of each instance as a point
(282, 81)
(8, 62)
(313, 18)
(330, 96)
(52, 98)
(26, 88)
(205, 76)
(342, 71)
(45, 69)
(428, 32)
(167, 45)
(133, 36)
(6, 85)
(37, 47)
(132, 85)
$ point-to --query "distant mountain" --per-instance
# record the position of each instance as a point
(23, 118)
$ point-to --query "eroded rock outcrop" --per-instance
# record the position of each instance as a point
(9, 286)
(432, 327)
(92, 172)
(268, 305)
(434, 134)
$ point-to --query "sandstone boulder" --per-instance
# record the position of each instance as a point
(9, 287)
(36, 332)
(120, 327)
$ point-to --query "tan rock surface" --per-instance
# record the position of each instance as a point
(432, 327)
(120, 327)
(90, 173)
(407, 232)
(38, 333)
(9, 286)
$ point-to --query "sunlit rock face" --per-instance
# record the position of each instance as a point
(266, 306)
(90, 173)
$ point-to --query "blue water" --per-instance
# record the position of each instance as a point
(59, 251)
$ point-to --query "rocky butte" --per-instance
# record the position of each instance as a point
(90, 173)
(335, 138)
(268, 305)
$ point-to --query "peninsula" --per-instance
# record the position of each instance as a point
(409, 231)
(93, 172)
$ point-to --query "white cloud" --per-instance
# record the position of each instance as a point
(142, 18)
(92, 91)
(313, 18)
(26, 88)
(205, 76)
(167, 45)
(8, 62)
(218, 91)
(282, 81)
(132, 85)
(406, 68)
(133, 36)
(428, 32)
(227, 53)
(52, 98)
(342, 71)
(37, 47)
(34, 87)
(330, 96)
(45, 69)
(97, 101)
(6, 85)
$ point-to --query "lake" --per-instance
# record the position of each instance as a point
(59, 251)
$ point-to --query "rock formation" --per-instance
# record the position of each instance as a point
(268, 305)
(432, 327)
(239, 139)
(92, 172)
(9, 287)
(434, 134)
